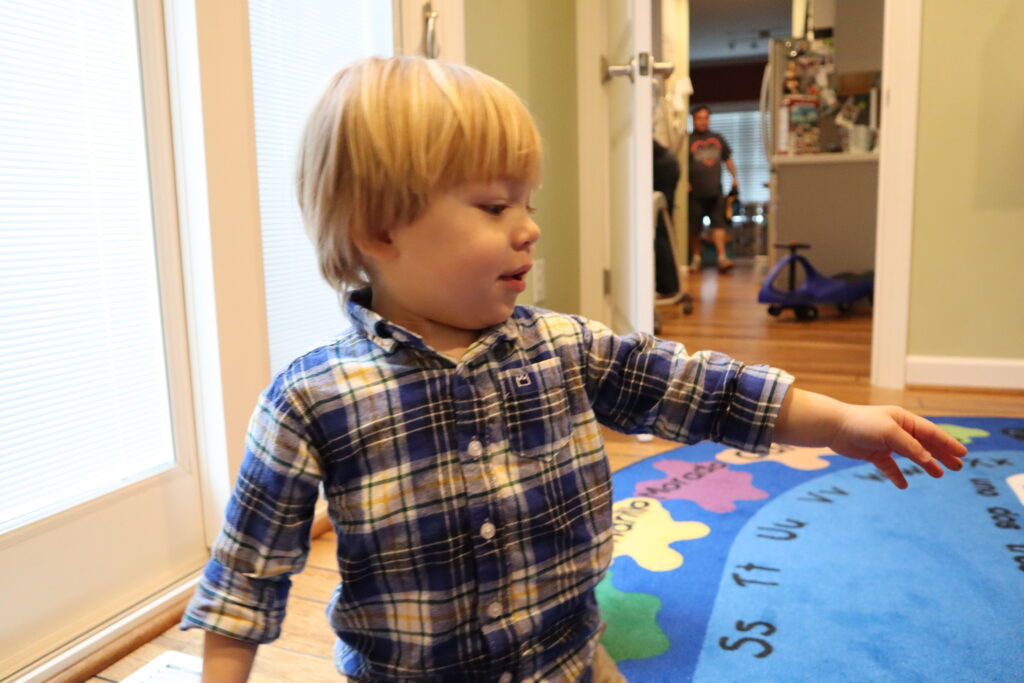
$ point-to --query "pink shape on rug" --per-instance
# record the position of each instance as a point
(712, 485)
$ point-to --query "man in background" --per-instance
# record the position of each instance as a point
(708, 151)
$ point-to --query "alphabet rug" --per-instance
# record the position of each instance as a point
(803, 565)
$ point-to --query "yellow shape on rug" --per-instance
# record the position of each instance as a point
(644, 530)
(797, 457)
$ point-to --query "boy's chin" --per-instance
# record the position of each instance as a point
(492, 318)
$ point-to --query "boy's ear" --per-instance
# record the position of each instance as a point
(375, 247)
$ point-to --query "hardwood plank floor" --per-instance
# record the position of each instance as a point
(831, 355)
(303, 652)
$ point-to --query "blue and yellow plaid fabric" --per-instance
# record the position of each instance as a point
(472, 500)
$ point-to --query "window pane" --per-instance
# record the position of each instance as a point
(742, 130)
(296, 47)
(83, 389)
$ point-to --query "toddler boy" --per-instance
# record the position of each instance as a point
(457, 435)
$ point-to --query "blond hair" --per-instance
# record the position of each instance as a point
(387, 134)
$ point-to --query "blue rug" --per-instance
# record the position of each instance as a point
(803, 565)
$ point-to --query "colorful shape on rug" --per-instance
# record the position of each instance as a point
(644, 530)
(965, 435)
(632, 618)
(804, 565)
(797, 457)
(712, 485)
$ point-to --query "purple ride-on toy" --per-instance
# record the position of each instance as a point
(841, 290)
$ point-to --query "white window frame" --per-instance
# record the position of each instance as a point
(217, 211)
(157, 107)
(168, 256)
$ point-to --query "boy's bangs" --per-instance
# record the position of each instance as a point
(508, 149)
(495, 139)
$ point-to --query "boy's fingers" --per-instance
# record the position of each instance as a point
(943, 446)
(887, 466)
(950, 460)
(906, 445)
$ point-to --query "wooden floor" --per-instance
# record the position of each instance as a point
(831, 355)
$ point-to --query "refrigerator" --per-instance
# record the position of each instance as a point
(818, 128)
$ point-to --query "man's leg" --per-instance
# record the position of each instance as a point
(695, 221)
(695, 263)
(719, 237)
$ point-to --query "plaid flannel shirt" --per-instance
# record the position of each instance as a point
(471, 500)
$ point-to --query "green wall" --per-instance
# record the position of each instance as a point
(530, 45)
(967, 276)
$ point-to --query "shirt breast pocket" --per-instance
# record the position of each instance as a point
(538, 419)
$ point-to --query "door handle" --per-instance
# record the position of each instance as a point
(430, 30)
(646, 66)
(663, 69)
(608, 71)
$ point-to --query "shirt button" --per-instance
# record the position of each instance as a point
(476, 449)
(505, 678)
(487, 530)
(494, 610)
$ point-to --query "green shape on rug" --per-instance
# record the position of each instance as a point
(632, 618)
(963, 434)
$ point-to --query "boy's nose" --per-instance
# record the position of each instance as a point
(527, 234)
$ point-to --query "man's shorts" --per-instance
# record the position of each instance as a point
(713, 207)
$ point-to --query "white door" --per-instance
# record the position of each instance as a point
(615, 165)
(100, 506)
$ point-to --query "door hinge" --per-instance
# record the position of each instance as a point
(607, 275)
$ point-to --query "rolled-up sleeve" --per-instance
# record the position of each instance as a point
(265, 537)
(638, 383)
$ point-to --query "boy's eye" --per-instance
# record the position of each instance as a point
(494, 209)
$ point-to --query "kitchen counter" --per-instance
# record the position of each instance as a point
(824, 158)
(830, 202)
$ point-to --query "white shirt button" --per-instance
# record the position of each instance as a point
(476, 449)
(494, 610)
(487, 530)
(505, 678)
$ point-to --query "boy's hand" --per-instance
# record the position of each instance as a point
(868, 433)
(874, 433)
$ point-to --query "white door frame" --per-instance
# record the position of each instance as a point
(901, 58)
(897, 161)
(594, 171)
(592, 126)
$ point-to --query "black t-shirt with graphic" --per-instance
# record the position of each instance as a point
(708, 151)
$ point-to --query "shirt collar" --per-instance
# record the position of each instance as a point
(389, 336)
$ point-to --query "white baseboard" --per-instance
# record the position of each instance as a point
(957, 371)
(59, 661)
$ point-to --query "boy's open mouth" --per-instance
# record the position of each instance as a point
(519, 274)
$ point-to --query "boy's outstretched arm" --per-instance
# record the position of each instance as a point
(869, 433)
(226, 660)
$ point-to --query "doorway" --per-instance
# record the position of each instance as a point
(900, 42)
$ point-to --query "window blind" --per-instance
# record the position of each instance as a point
(84, 402)
(742, 130)
(296, 47)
